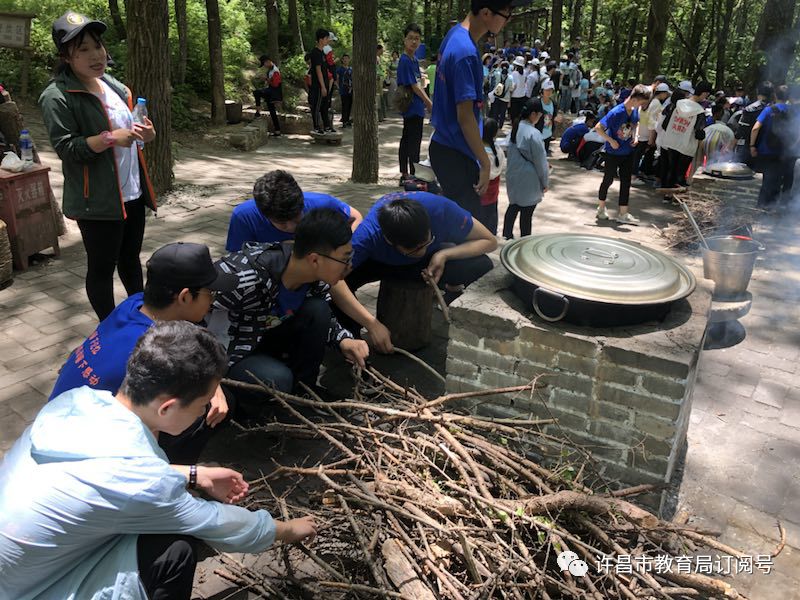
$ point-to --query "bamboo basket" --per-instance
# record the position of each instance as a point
(5, 256)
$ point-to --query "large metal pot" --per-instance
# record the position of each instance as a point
(594, 280)
(730, 170)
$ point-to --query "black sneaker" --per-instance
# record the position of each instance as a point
(275, 134)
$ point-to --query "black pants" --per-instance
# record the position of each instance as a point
(270, 96)
(676, 167)
(498, 112)
(113, 245)
(487, 215)
(410, 142)
(525, 220)
(347, 107)
(286, 355)
(166, 565)
(516, 107)
(457, 174)
(638, 154)
(320, 116)
(648, 158)
(623, 164)
(456, 272)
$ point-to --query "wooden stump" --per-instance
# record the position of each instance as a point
(406, 308)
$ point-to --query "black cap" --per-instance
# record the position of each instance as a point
(186, 265)
(70, 24)
(702, 88)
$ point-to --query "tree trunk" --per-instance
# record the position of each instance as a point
(575, 28)
(438, 20)
(365, 122)
(740, 33)
(215, 59)
(183, 41)
(555, 29)
(116, 18)
(657, 22)
(616, 33)
(426, 26)
(148, 76)
(722, 43)
(273, 27)
(327, 5)
(698, 22)
(775, 40)
(593, 23)
(308, 17)
(294, 27)
(463, 5)
(629, 53)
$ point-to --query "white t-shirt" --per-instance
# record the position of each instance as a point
(519, 85)
(530, 82)
(127, 159)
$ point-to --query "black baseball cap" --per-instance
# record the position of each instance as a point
(186, 265)
(70, 24)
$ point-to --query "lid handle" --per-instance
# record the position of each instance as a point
(610, 257)
(553, 295)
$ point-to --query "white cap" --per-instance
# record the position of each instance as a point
(548, 84)
(333, 36)
(662, 87)
(544, 55)
(686, 86)
(535, 62)
(608, 82)
(519, 61)
(537, 41)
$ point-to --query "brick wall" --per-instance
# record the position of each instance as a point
(622, 393)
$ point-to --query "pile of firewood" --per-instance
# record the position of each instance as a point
(419, 503)
(713, 215)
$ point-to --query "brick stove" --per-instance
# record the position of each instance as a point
(623, 393)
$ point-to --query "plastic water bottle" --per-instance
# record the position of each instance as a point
(26, 146)
(139, 114)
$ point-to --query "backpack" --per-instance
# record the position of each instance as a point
(747, 119)
(777, 134)
(500, 88)
(400, 98)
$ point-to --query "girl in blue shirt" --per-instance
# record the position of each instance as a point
(619, 130)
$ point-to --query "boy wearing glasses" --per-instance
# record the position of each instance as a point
(279, 320)
(406, 233)
(181, 284)
(457, 151)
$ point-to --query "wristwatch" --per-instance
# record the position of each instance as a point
(193, 477)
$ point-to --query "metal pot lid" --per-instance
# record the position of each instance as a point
(598, 268)
(730, 170)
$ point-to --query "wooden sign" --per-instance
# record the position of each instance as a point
(15, 30)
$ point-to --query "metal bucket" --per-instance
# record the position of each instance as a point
(729, 262)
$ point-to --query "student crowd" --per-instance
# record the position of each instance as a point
(99, 497)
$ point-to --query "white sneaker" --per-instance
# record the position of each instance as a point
(628, 219)
(602, 214)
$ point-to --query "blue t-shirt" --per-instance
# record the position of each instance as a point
(408, 74)
(100, 361)
(459, 77)
(620, 126)
(249, 225)
(449, 224)
(345, 77)
(572, 137)
(765, 118)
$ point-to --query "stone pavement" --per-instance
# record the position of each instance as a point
(741, 471)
